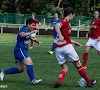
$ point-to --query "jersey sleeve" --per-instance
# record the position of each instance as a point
(62, 24)
(36, 21)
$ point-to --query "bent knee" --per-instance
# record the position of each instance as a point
(21, 70)
(98, 52)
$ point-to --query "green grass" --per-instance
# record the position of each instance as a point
(45, 66)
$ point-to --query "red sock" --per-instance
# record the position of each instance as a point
(83, 74)
(62, 74)
(36, 41)
(31, 43)
(85, 57)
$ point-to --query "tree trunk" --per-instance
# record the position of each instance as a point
(17, 6)
(59, 3)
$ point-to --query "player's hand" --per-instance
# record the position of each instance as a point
(93, 26)
(46, 29)
(61, 38)
(69, 31)
(78, 45)
(98, 39)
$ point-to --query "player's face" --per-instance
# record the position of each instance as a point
(71, 17)
(33, 16)
(96, 14)
(56, 16)
(31, 26)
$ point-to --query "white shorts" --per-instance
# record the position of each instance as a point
(66, 53)
(93, 43)
(33, 35)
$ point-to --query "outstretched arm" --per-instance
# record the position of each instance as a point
(48, 27)
(76, 43)
(23, 34)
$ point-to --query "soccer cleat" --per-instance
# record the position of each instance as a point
(36, 81)
(57, 85)
(39, 44)
(50, 52)
(92, 83)
(85, 67)
(1, 75)
(31, 47)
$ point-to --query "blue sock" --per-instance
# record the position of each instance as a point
(53, 46)
(30, 72)
(11, 71)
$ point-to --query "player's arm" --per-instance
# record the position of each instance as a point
(48, 27)
(38, 24)
(87, 34)
(76, 43)
(23, 34)
(57, 27)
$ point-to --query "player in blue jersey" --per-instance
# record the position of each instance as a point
(53, 23)
(20, 52)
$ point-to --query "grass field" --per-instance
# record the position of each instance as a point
(45, 66)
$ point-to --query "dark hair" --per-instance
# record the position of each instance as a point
(96, 10)
(68, 11)
(29, 21)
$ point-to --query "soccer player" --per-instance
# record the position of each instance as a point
(94, 40)
(20, 52)
(65, 51)
(35, 28)
(53, 23)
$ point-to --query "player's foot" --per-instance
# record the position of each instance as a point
(31, 47)
(85, 67)
(92, 83)
(36, 81)
(1, 75)
(39, 44)
(57, 85)
(50, 52)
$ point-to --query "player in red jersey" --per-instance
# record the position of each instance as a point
(36, 26)
(94, 40)
(65, 51)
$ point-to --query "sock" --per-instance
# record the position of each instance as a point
(36, 41)
(30, 72)
(85, 57)
(83, 73)
(31, 43)
(53, 46)
(62, 74)
(11, 71)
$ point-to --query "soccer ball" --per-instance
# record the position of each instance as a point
(82, 82)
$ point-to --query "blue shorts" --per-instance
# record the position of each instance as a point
(20, 55)
(55, 36)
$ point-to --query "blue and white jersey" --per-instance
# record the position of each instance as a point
(22, 42)
(54, 22)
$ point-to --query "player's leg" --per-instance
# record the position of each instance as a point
(18, 69)
(62, 74)
(85, 56)
(32, 35)
(83, 73)
(14, 70)
(54, 44)
(53, 47)
(28, 62)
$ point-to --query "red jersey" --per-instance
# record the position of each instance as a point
(64, 28)
(95, 33)
(35, 24)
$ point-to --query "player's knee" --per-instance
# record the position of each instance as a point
(86, 51)
(21, 70)
(98, 52)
